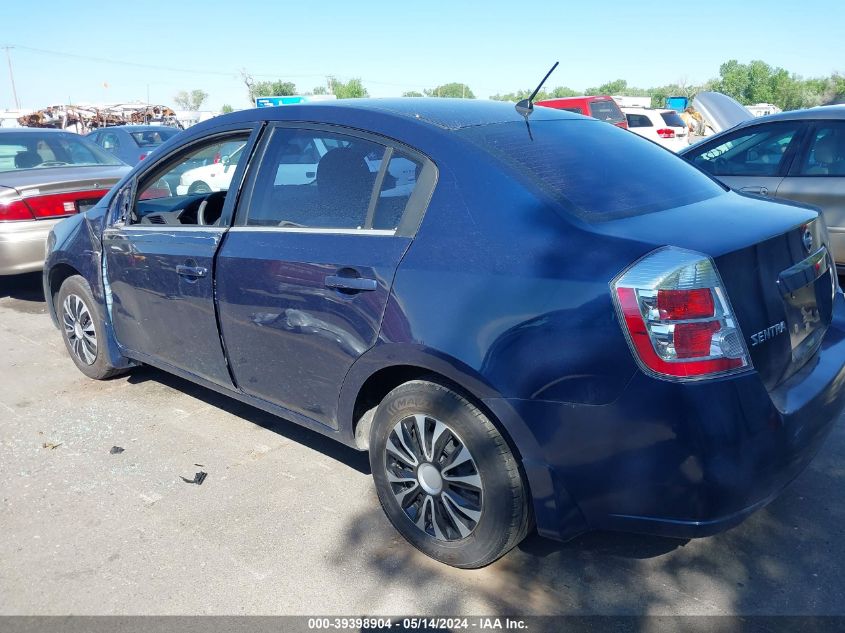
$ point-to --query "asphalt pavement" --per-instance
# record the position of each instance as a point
(287, 522)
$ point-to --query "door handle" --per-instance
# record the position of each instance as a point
(760, 191)
(191, 271)
(356, 284)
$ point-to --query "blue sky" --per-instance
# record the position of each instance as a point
(394, 46)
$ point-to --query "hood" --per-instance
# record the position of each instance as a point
(720, 111)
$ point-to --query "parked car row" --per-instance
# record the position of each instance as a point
(527, 318)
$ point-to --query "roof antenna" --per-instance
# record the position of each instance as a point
(526, 106)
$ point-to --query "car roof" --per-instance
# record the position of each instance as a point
(834, 112)
(136, 128)
(32, 130)
(446, 114)
(450, 114)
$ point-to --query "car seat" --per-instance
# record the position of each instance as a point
(344, 187)
(27, 159)
(829, 155)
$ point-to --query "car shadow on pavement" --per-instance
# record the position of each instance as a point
(290, 430)
(23, 287)
(783, 560)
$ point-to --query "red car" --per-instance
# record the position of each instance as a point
(602, 108)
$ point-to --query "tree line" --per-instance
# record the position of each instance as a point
(754, 82)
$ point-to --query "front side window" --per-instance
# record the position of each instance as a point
(756, 152)
(192, 188)
(325, 180)
(826, 156)
(110, 141)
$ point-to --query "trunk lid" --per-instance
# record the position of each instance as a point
(46, 180)
(774, 263)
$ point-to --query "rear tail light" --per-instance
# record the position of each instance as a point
(14, 209)
(677, 317)
(48, 206)
(666, 133)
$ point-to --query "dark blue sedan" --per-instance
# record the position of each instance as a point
(526, 321)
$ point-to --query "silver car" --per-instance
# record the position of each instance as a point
(797, 155)
(46, 175)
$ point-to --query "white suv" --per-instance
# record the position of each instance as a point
(664, 127)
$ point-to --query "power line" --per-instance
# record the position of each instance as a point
(194, 71)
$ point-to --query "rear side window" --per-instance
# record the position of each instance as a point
(638, 120)
(827, 152)
(598, 172)
(672, 119)
(316, 179)
(606, 111)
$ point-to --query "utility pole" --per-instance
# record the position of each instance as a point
(12, 76)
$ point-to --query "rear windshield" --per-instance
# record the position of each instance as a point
(598, 172)
(606, 111)
(34, 150)
(152, 138)
(673, 119)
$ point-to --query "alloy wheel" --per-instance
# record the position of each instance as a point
(79, 329)
(434, 478)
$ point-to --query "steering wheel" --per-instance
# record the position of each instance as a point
(288, 223)
(52, 163)
(201, 213)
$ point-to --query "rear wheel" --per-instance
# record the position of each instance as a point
(446, 477)
(82, 329)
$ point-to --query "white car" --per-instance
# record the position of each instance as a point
(215, 176)
(664, 127)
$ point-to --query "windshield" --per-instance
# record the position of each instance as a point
(598, 172)
(31, 150)
(153, 138)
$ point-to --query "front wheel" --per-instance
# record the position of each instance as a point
(83, 329)
(198, 187)
(445, 476)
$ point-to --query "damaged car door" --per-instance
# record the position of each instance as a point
(159, 255)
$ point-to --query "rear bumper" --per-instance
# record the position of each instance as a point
(23, 244)
(682, 460)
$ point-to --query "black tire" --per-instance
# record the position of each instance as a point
(504, 504)
(91, 360)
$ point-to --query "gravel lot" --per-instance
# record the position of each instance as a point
(287, 522)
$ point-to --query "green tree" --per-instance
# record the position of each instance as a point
(352, 89)
(617, 87)
(320, 90)
(412, 93)
(456, 90)
(192, 100)
(276, 88)
(519, 95)
(226, 109)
